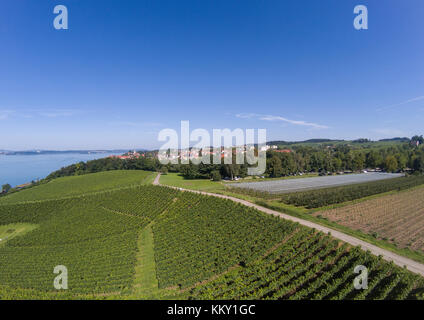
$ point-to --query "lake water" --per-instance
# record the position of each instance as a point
(19, 169)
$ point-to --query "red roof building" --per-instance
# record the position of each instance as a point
(283, 151)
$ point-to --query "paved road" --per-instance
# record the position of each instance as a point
(156, 181)
(412, 265)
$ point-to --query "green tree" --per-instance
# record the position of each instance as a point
(390, 164)
(337, 163)
(163, 170)
(373, 159)
(275, 168)
(417, 138)
(189, 171)
(215, 175)
(402, 161)
(79, 168)
(358, 161)
(6, 187)
(418, 164)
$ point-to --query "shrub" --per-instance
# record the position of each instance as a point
(215, 175)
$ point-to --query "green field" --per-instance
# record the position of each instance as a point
(176, 180)
(10, 231)
(154, 242)
(79, 185)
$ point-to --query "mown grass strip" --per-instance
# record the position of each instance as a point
(145, 281)
(10, 231)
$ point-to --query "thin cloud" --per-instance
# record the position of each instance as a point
(282, 119)
(58, 113)
(247, 115)
(135, 124)
(4, 114)
(295, 122)
(401, 103)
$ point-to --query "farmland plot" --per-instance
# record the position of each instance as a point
(292, 185)
(197, 247)
(398, 218)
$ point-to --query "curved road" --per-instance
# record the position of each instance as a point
(401, 261)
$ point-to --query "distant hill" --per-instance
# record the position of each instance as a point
(337, 141)
(35, 152)
(281, 142)
(404, 139)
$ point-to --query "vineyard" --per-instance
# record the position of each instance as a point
(200, 247)
(327, 196)
(310, 265)
(201, 236)
(78, 185)
(398, 218)
(95, 245)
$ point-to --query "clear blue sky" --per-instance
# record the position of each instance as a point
(126, 69)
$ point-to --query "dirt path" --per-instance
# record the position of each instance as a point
(412, 265)
(156, 181)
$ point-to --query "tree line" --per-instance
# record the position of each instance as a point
(402, 157)
(406, 156)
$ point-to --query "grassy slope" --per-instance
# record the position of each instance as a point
(78, 185)
(174, 179)
(10, 231)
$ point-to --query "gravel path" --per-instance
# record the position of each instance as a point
(401, 261)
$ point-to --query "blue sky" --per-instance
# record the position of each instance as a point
(126, 69)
